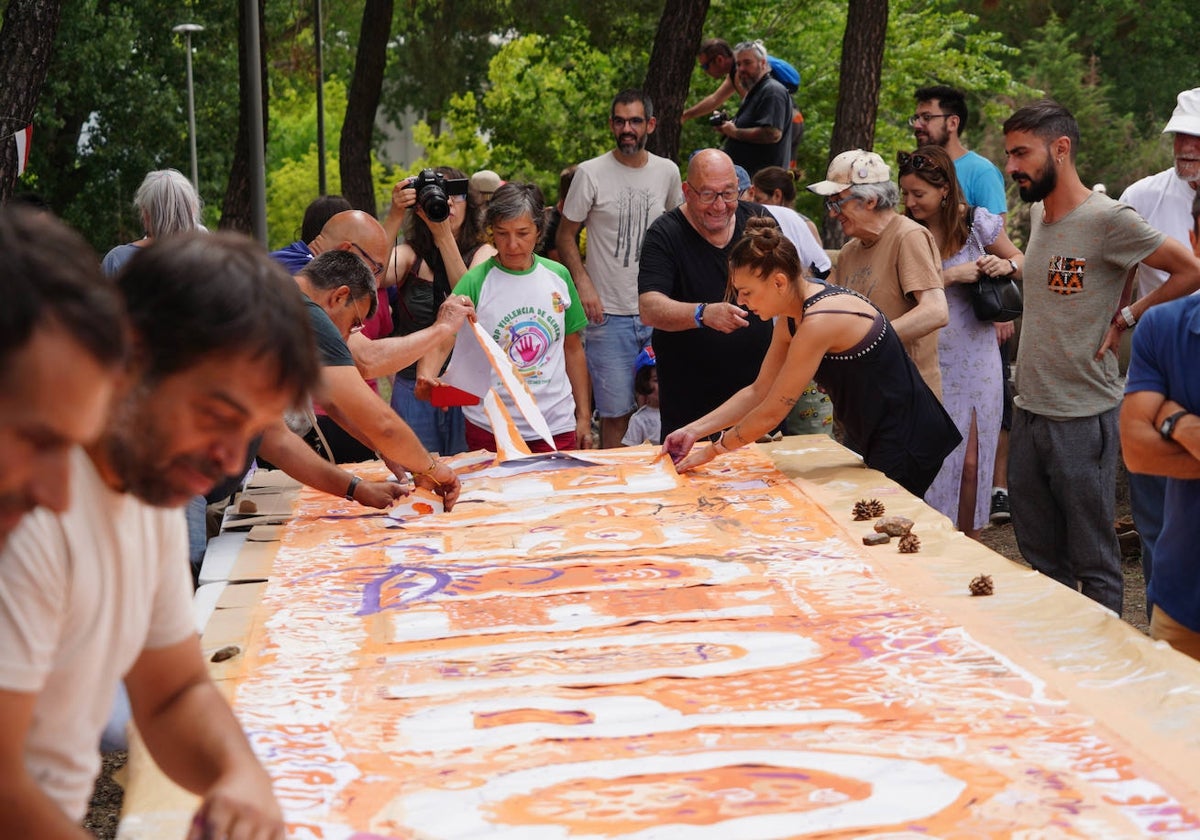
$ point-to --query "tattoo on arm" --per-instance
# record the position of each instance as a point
(789, 401)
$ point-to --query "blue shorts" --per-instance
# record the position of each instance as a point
(611, 348)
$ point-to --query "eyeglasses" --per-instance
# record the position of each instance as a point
(704, 65)
(925, 119)
(358, 319)
(913, 162)
(633, 122)
(834, 206)
(729, 196)
(375, 267)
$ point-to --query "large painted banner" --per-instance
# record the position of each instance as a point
(604, 649)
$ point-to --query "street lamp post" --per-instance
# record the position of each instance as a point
(186, 29)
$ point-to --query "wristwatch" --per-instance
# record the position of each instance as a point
(699, 314)
(1013, 263)
(1124, 319)
(1167, 429)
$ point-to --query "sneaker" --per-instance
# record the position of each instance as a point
(1000, 512)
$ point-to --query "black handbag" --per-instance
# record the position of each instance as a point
(994, 298)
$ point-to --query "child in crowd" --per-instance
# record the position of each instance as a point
(645, 424)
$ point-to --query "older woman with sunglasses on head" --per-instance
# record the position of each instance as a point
(889, 259)
(970, 240)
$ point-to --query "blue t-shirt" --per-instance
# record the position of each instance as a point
(294, 257)
(981, 182)
(1166, 344)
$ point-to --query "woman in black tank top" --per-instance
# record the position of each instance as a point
(890, 416)
(421, 272)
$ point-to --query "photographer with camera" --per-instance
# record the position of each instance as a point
(443, 237)
(759, 135)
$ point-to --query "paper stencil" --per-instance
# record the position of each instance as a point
(617, 652)
(475, 353)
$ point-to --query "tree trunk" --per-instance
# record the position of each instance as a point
(236, 211)
(670, 71)
(858, 89)
(26, 47)
(362, 102)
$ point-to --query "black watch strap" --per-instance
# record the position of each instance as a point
(1167, 429)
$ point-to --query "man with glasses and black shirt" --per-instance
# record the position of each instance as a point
(617, 196)
(940, 120)
(706, 348)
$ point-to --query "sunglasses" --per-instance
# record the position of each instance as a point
(913, 162)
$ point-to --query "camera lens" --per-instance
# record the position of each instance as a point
(433, 201)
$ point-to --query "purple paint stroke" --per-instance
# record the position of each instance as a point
(372, 598)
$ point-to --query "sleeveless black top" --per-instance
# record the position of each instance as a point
(888, 413)
(415, 303)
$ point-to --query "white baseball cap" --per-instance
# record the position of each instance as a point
(856, 166)
(1186, 119)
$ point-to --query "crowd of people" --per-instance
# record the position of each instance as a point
(696, 312)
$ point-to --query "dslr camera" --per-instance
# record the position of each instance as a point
(718, 118)
(433, 191)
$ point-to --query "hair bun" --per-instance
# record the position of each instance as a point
(762, 227)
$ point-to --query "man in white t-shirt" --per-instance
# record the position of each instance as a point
(61, 341)
(101, 591)
(1165, 201)
(617, 196)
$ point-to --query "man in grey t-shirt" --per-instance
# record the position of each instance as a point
(1063, 455)
(617, 196)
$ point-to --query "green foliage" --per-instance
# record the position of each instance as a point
(1111, 150)
(545, 107)
(292, 160)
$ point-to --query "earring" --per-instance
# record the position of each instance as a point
(943, 204)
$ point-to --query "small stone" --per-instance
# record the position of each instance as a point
(227, 652)
(896, 526)
(247, 506)
(876, 539)
(982, 585)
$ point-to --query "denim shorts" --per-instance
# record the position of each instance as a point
(611, 348)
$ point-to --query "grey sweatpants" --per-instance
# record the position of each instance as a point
(1062, 482)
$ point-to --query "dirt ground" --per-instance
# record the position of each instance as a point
(105, 809)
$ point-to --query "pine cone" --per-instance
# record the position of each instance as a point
(982, 585)
(864, 509)
(910, 544)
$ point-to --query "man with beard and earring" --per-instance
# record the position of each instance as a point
(100, 592)
(1064, 445)
(617, 196)
(1165, 201)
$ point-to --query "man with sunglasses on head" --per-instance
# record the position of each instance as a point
(706, 348)
(617, 196)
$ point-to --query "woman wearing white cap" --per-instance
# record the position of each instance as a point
(891, 260)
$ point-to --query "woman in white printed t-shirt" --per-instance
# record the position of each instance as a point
(529, 306)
